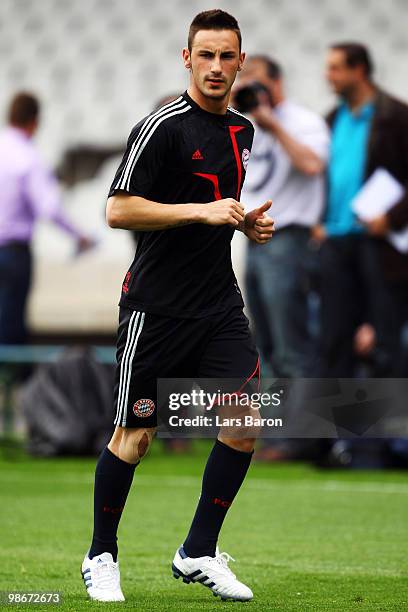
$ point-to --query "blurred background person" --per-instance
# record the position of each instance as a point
(29, 191)
(363, 278)
(287, 165)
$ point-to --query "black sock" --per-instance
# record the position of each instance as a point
(223, 476)
(113, 478)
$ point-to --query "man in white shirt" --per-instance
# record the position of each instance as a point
(287, 165)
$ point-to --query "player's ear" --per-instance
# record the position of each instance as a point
(241, 61)
(186, 58)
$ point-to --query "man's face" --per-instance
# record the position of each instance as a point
(214, 61)
(341, 77)
(254, 70)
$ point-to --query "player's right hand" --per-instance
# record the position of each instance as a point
(223, 212)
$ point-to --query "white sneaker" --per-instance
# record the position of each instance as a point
(102, 578)
(212, 572)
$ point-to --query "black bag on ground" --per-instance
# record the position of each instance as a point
(68, 405)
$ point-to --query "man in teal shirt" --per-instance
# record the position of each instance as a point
(348, 157)
(363, 278)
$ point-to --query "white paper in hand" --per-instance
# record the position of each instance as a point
(378, 194)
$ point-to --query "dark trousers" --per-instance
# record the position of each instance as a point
(399, 318)
(15, 280)
(277, 288)
(353, 291)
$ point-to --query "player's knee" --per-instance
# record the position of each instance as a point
(132, 444)
(136, 442)
(245, 445)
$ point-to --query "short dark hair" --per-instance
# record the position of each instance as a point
(356, 55)
(273, 69)
(216, 19)
(24, 108)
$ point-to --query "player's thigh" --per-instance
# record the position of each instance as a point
(230, 352)
(232, 361)
(150, 347)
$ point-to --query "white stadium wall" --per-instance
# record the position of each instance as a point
(99, 65)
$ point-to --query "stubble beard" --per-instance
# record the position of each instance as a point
(214, 95)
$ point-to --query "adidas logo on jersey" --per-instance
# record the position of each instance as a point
(197, 155)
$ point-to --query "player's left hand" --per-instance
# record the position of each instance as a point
(259, 227)
(379, 226)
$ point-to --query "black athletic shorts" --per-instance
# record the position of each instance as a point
(151, 346)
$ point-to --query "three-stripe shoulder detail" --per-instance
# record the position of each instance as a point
(234, 110)
(147, 130)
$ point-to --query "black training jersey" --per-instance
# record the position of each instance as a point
(184, 154)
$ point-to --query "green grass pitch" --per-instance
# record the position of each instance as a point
(304, 540)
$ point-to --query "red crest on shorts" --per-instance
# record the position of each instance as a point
(143, 407)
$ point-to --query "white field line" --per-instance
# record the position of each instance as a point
(251, 484)
(334, 568)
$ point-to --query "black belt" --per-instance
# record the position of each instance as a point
(293, 227)
(16, 245)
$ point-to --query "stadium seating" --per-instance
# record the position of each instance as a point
(99, 65)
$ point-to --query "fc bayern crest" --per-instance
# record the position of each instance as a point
(245, 158)
(143, 407)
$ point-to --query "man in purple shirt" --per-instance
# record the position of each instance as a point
(29, 191)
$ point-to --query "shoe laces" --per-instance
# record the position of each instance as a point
(222, 559)
(106, 575)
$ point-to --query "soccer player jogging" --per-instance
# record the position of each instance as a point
(181, 314)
